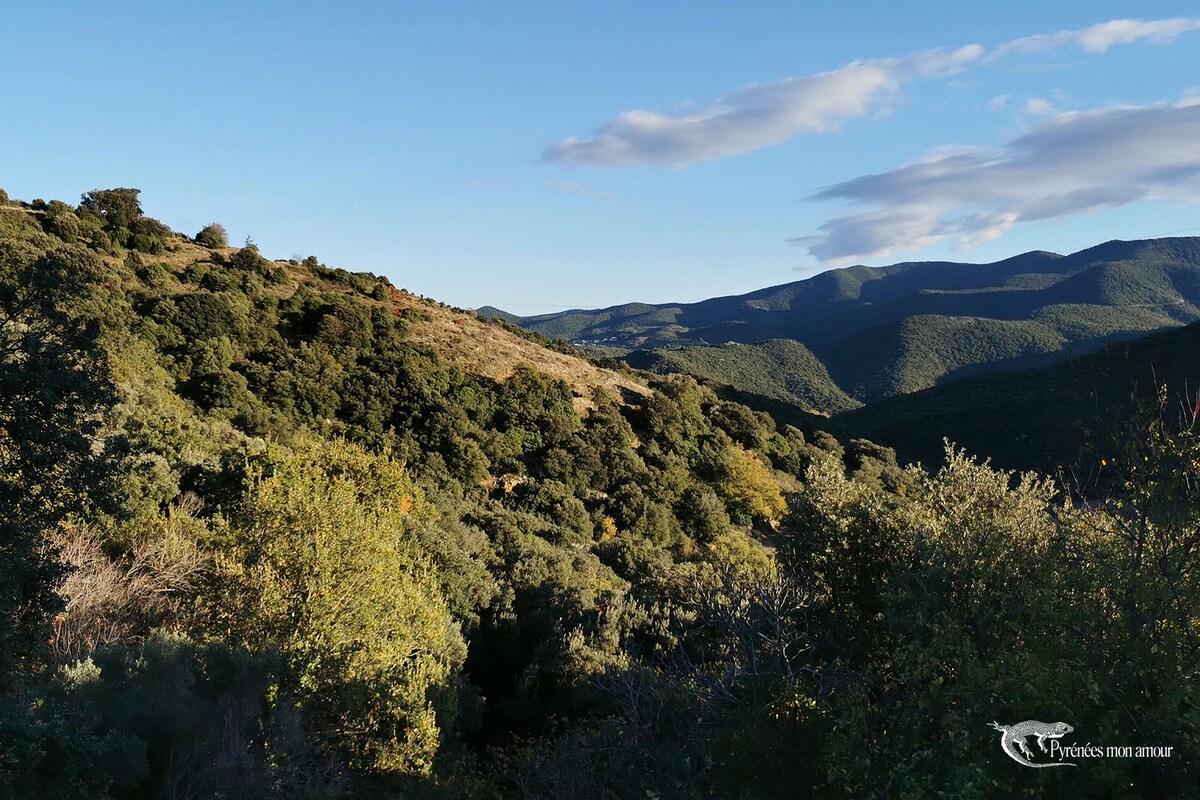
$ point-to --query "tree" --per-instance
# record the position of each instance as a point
(213, 236)
(748, 487)
(53, 380)
(148, 235)
(60, 220)
(118, 208)
(370, 650)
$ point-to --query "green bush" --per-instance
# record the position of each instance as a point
(213, 236)
(60, 220)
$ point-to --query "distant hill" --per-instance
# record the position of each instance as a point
(1038, 419)
(486, 312)
(924, 350)
(780, 369)
(881, 331)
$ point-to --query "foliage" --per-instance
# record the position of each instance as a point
(320, 550)
(213, 236)
(118, 208)
(749, 490)
(260, 541)
(859, 334)
(952, 600)
(118, 213)
(52, 384)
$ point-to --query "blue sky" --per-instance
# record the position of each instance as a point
(539, 156)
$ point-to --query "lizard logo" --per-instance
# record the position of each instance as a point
(1017, 734)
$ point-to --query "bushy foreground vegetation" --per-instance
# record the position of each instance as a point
(258, 543)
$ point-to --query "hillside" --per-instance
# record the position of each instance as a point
(924, 350)
(779, 369)
(1070, 414)
(284, 511)
(489, 350)
(879, 331)
(271, 529)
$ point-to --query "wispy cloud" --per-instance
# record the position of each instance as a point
(578, 189)
(755, 116)
(1072, 163)
(766, 114)
(1099, 38)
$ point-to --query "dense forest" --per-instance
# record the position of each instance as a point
(859, 334)
(263, 540)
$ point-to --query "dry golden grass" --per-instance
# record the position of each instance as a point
(489, 350)
(180, 253)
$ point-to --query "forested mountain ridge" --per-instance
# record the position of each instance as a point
(880, 331)
(276, 530)
(1070, 415)
(781, 369)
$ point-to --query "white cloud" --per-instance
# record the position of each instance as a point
(1070, 164)
(875, 232)
(748, 119)
(1099, 38)
(766, 114)
(998, 102)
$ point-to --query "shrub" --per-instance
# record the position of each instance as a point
(60, 221)
(250, 259)
(213, 236)
(146, 244)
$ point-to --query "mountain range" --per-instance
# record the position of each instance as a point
(851, 336)
(1070, 415)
